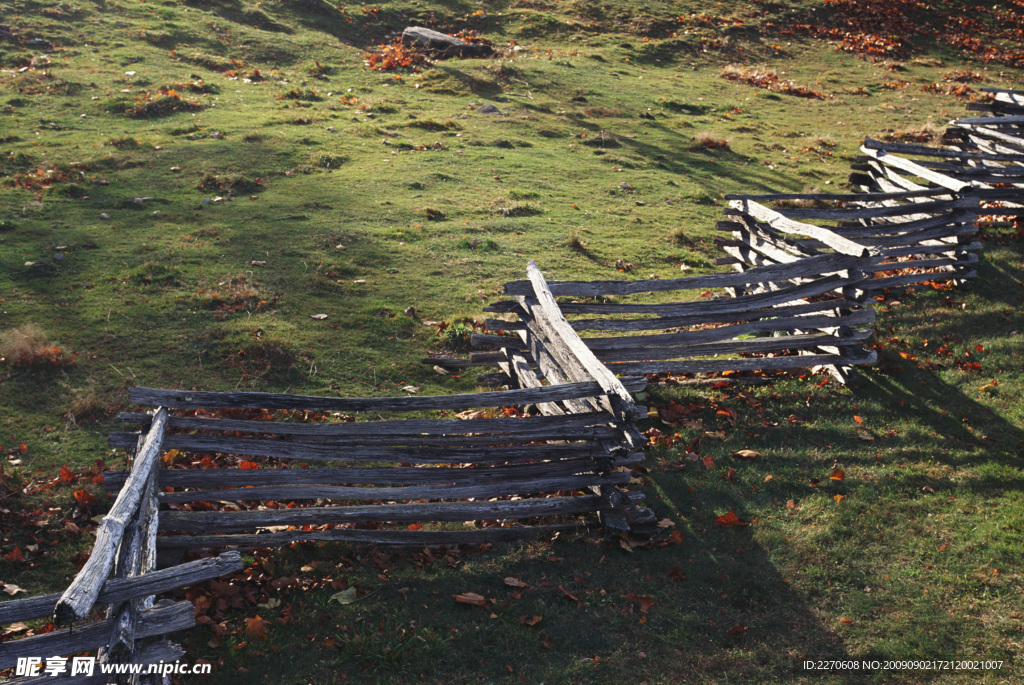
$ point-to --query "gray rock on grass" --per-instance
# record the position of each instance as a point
(441, 45)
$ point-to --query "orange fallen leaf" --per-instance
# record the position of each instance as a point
(22, 448)
(731, 520)
(256, 628)
(845, 620)
(839, 498)
(85, 499)
(730, 475)
(858, 419)
(942, 548)
(838, 474)
(531, 620)
(248, 465)
(644, 601)
(471, 598)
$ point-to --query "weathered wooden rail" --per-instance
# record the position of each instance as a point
(981, 157)
(514, 477)
(919, 236)
(793, 315)
(121, 575)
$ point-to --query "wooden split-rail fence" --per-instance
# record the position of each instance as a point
(805, 264)
(783, 316)
(121, 577)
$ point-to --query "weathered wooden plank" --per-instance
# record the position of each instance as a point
(755, 364)
(410, 454)
(823, 264)
(840, 197)
(908, 166)
(928, 263)
(233, 521)
(118, 590)
(780, 223)
(528, 378)
(193, 399)
(921, 150)
(231, 478)
(156, 621)
(909, 279)
(78, 600)
(723, 308)
(757, 345)
(854, 213)
(771, 325)
(415, 538)
(559, 329)
(503, 341)
(526, 429)
(286, 493)
(930, 249)
(627, 325)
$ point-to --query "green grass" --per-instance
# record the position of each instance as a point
(357, 194)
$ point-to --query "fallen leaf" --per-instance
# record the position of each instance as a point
(838, 474)
(256, 628)
(790, 504)
(737, 630)
(709, 463)
(676, 574)
(845, 620)
(531, 620)
(865, 436)
(746, 454)
(12, 589)
(22, 448)
(666, 523)
(271, 603)
(566, 593)
(839, 498)
(345, 596)
(731, 520)
(942, 548)
(471, 598)
(730, 475)
(318, 317)
(644, 601)
(512, 581)
(470, 414)
(858, 419)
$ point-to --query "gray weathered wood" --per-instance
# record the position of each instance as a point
(908, 166)
(233, 521)
(755, 364)
(407, 454)
(156, 621)
(559, 328)
(647, 324)
(78, 600)
(794, 342)
(724, 307)
(117, 590)
(524, 430)
(286, 493)
(823, 264)
(767, 325)
(189, 399)
(780, 223)
(415, 538)
(409, 475)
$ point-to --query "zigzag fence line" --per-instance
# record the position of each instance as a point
(804, 269)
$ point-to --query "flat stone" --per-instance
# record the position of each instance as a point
(441, 45)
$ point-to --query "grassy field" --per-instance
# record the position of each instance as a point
(184, 184)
